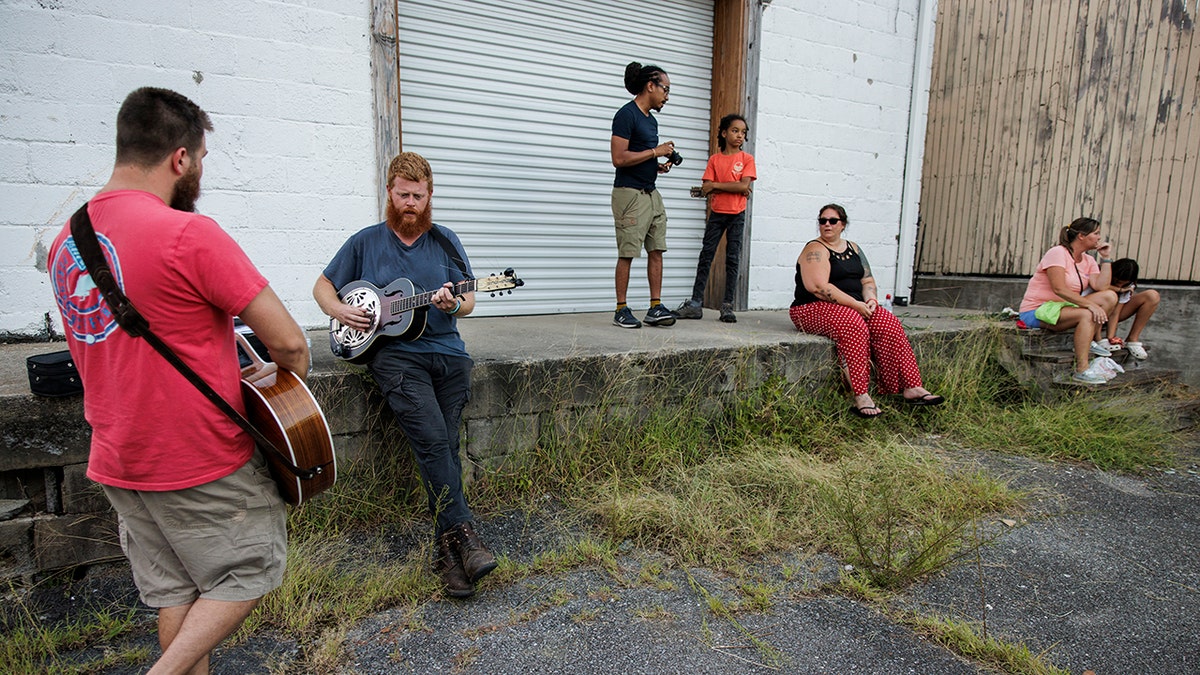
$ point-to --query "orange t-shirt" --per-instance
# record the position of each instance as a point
(733, 168)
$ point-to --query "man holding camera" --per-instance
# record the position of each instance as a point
(641, 220)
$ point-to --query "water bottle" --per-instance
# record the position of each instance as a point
(887, 302)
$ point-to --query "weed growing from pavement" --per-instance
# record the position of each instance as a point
(962, 638)
(31, 644)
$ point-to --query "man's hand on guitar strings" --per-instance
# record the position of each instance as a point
(354, 317)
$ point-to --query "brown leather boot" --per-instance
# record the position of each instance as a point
(449, 566)
(477, 560)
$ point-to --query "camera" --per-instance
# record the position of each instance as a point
(675, 158)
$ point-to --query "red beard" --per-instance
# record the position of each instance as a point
(409, 224)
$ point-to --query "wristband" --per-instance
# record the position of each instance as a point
(456, 308)
(1105, 260)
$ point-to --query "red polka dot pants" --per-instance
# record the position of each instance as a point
(859, 340)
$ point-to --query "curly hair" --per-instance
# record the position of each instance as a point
(410, 166)
(724, 126)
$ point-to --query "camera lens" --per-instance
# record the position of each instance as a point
(675, 158)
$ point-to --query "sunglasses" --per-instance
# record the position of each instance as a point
(828, 221)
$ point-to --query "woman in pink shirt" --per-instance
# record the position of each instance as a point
(1054, 298)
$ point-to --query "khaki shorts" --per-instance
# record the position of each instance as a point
(224, 540)
(641, 221)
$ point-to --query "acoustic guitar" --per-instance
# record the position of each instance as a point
(397, 311)
(282, 408)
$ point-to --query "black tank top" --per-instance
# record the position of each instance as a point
(845, 272)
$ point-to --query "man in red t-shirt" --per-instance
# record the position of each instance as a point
(202, 522)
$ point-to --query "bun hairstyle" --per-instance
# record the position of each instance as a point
(841, 211)
(724, 126)
(1078, 228)
(637, 75)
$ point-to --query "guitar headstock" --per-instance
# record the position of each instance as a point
(498, 283)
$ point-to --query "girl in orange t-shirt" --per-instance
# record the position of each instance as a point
(726, 183)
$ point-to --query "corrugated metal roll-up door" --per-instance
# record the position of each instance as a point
(512, 103)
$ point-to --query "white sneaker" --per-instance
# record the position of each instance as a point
(1106, 368)
(1136, 350)
(1098, 350)
(1089, 377)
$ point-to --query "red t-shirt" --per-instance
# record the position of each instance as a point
(724, 168)
(151, 428)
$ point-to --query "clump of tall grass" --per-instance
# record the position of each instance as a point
(781, 464)
(30, 645)
(990, 408)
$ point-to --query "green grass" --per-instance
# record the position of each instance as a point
(27, 645)
(773, 468)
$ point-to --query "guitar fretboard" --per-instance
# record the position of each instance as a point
(422, 299)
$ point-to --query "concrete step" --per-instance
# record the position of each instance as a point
(1143, 378)
(1181, 405)
(1056, 357)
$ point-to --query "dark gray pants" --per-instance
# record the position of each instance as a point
(427, 393)
(731, 225)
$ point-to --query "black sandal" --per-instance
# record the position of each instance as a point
(862, 412)
(926, 399)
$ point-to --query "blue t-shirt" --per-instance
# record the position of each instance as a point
(377, 255)
(642, 132)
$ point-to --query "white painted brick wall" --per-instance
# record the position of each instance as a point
(834, 94)
(291, 167)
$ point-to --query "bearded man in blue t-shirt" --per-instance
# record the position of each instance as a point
(426, 381)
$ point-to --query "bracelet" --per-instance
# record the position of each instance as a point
(456, 308)
(1105, 260)
(654, 153)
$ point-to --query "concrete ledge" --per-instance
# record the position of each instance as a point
(1172, 336)
(532, 376)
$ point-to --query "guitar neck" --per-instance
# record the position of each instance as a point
(424, 299)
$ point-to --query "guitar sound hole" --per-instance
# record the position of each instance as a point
(364, 299)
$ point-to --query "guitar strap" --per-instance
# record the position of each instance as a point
(450, 250)
(136, 325)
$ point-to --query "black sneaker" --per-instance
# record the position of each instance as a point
(659, 315)
(625, 319)
(690, 309)
(727, 314)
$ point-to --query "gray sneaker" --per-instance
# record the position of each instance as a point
(1089, 376)
(625, 319)
(690, 309)
(727, 314)
(659, 315)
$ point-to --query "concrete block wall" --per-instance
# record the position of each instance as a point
(834, 96)
(290, 170)
(53, 517)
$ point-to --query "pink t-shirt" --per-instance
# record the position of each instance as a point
(152, 429)
(1039, 290)
(733, 168)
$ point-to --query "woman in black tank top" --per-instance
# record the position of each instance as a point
(836, 297)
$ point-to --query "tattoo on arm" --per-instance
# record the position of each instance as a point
(825, 294)
(813, 256)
